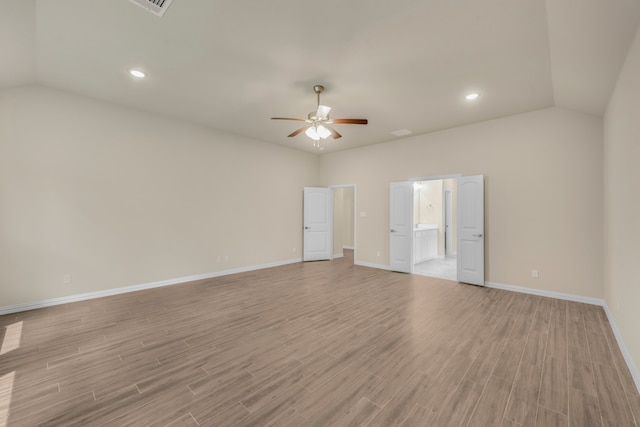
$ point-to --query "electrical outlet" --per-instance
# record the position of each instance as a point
(226, 258)
(294, 249)
(66, 279)
(378, 253)
(534, 274)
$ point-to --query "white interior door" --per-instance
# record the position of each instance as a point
(471, 229)
(401, 227)
(318, 224)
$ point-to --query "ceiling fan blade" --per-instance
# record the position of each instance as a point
(287, 118)
(350, 121)
(294, 133)
(334, 133)
(323, 111)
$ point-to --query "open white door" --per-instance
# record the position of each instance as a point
(318, 224)
(401, 227)
(471, 229)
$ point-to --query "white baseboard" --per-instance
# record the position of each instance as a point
(623, 348)
(372, 265)
(348, 247)
(337, 256)
(550, 294)
(115, 291)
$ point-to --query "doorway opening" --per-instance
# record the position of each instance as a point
(435, 217)
(469, 242)
(344, 222)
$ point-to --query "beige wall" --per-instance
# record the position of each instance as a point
(543, 179)
(117, 197)
(622, 203)
(347, 212)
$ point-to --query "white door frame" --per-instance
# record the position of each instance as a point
(355, 217)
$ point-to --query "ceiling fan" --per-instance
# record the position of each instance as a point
(318, 121)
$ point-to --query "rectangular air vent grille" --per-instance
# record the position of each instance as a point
(158, 7)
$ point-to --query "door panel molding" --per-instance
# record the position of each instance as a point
(401, 227)
(470, 250)
(318, 224)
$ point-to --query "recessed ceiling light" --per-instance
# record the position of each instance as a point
(401, 132)
(472, 96)
(137, 73)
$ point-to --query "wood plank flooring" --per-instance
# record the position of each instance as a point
(315, 344)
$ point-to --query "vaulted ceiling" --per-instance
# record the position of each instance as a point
(402, 64)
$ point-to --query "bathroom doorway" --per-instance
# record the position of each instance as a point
(344, 223)
(435, 227)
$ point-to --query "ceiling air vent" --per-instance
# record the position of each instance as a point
(158, 7)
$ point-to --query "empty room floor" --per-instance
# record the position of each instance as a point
(315, 344)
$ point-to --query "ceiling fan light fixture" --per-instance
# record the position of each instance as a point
(312, 133)
(137, 73)
(323, 132)
(317, 132)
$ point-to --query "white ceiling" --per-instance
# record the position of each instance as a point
(232, 65)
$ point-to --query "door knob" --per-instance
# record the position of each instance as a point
(393, 231)
(477, 235)
(307, 228)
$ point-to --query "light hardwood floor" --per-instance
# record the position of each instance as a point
(315, 344)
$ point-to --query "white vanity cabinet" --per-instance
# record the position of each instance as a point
(425, 244)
